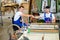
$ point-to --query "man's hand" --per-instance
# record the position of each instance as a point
(32, 16)
(37, 17)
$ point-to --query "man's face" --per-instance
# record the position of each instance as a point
(21, 9)
(47, 10)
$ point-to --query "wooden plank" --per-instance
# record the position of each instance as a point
(45, 23)
(26, 5)
(53, 31)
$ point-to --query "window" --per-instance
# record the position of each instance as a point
(58, 5)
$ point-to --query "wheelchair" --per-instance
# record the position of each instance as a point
(13, 31)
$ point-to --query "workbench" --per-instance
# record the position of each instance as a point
(41, 31)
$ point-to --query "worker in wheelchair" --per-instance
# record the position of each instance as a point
(47, 16)
(18, 20)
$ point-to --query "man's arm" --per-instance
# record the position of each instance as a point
(37, 17)
(53, 18)
(27, 15)
(41, 16)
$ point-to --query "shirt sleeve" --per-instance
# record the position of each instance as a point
(19, 13)
(53, 16)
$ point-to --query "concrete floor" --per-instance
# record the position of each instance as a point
(3, 30)
(39, 36)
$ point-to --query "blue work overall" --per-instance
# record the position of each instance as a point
(19, 23)
(48, 19)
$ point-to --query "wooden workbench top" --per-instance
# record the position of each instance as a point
(49, 31)
(45, 23)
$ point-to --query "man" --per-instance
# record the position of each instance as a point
(18, 20)
(48, 17)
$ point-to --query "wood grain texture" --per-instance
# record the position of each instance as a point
(53, 31)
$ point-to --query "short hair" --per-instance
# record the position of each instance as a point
(47, 7)
(21, 7)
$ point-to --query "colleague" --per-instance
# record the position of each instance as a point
(18, 20)
(47, 16)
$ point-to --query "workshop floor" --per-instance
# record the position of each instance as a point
(3, 29)
(42, 36)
